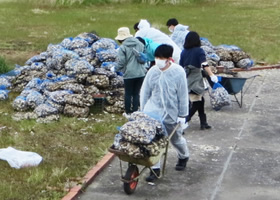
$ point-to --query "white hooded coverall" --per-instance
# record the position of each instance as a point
(145, 30)
(165, 93)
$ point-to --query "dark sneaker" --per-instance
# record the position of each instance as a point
(152, 176)
(181, 164)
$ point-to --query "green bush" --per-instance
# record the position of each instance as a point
(3, 66)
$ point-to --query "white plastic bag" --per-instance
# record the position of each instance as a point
(20, 159)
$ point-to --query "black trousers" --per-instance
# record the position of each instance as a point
(197, 106)
(132, 94)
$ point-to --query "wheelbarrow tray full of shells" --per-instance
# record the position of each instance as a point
(131, 177)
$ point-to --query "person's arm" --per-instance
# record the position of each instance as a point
(183, 95)
(205, 66)
(208, 69)
(212, 76)
(181, 62)
(121, 61)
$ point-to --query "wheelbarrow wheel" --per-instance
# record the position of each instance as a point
(131, 173)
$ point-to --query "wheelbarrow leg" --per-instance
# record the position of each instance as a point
(245, 90)
(241, 99)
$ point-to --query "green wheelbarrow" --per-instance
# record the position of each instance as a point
(131, 177)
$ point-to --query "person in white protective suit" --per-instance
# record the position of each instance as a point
(145, 30)
(165, 93)
(179, 32)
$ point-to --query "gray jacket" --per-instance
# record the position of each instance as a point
(195, 80)
(127, 63)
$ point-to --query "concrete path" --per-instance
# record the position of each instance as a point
(238, 159)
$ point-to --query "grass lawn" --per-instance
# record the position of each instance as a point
(253, 25)
(71, 146)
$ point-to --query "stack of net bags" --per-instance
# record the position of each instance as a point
(228, 56)
(142, 136)
(64, 79)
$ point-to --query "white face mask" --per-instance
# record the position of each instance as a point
(170, 29)
(160, 63)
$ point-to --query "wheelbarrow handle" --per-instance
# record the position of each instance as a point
(174, 130)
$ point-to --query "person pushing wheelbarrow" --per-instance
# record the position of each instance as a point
(165, 92)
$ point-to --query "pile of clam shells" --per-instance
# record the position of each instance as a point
(229, 56)
(142, 136)
(65, 78)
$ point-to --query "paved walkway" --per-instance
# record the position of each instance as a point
(238, 159)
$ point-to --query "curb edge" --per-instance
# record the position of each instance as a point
(88, 178)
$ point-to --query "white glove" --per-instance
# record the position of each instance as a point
(214, 79)
(112, 69)
(183, 123)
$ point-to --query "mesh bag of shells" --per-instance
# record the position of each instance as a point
(3, 92)
(219, 97)
(4, 82)
(141, 137)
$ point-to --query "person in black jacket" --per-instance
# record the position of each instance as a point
(193, 59)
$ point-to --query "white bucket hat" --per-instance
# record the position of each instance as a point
(123, 33)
